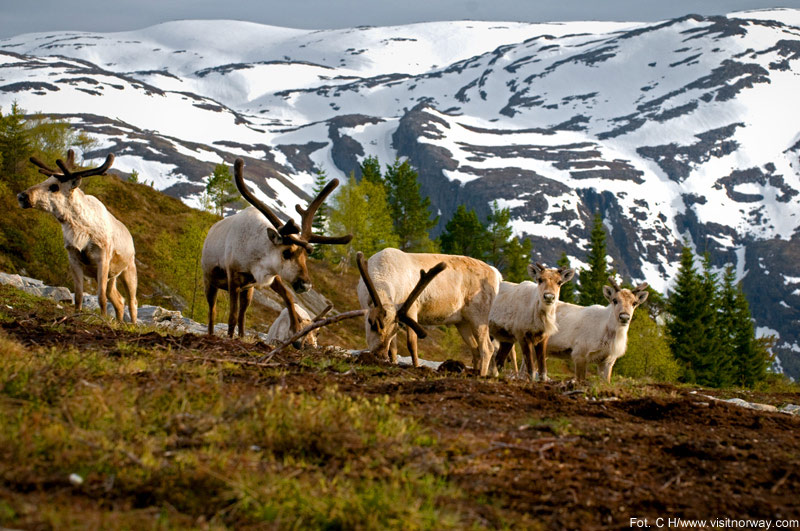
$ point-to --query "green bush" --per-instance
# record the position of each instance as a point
(648, 353)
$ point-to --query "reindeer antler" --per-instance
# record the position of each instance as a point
(613, 283)
(46, 170)
(640, 287)
(69, 175)
(322, 314)
(307, 218)
(425, 278)
(362, 268)
(289, 229)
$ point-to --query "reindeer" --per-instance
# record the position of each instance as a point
(596, 333)
(253, 248)
(281, 329)
(98, 244)
(461, 295)
(526, 313)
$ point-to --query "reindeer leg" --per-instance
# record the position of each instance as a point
(485, 348)
(541, 359)
(411, 342)
(393, 350)
(605, 369)
(502, 354)
(129, 279)
(580, 367)
(77, 278)
(116, 299)
(233, 292)
(211, 297)
(514, 359)
(102, 283)
(527, 354)
(279, 288)
(245, 298)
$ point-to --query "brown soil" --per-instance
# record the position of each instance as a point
(533, 454)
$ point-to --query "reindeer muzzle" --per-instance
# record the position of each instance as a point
(301, 286)
(549, 298)
(624, 318)
(23, 200)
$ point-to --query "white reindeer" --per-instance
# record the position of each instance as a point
(526, 313)
(596, 333)
(281, 329)
(253, 249)
(98, 244)
(461, 292)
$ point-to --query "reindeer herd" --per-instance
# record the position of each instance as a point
(255, 249)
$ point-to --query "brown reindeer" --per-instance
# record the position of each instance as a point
(461, 296)
(253, 249)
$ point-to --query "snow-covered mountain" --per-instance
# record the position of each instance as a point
(680, 130)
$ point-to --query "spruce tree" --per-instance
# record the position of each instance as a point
(750, 356)
(567, 293)
(220, 188)
(684, 328)
(16, 148)
(593, 279)
(709, 344)
(320, 221)
(410, 211)
(504, 250)
(371, 170)
(465, 235)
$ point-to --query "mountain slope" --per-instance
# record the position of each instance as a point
(683, 130)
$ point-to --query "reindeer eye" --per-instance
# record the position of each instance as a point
(615, 301)
(287, 254)
(54, 188)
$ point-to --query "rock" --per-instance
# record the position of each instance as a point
(58, 293)
(792, 409)
(751, 405)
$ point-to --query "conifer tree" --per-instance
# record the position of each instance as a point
(410, 211)
(683, 328)
(567, 293)
(320, 221)
(593, 279)
(464, 234)
(371, 170)
(504, 250)
(750, 356)
(220, 188)
(709, 343)
(16, 147)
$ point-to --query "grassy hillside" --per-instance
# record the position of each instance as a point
(106, 426)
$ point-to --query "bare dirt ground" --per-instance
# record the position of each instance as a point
(530, 455)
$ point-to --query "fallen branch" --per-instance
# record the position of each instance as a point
(311, 327)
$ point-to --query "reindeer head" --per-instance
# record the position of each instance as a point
(624, 301)
(384, 317)
(291, 243)
(55, 194)
(549, 280)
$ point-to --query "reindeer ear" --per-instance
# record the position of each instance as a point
(534, 270)
(642, 296)
(609, 292)
(274, 237)
(566, 275)
(74, 183)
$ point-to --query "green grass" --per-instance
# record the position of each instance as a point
(206, 443)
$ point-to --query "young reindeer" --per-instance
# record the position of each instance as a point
(596, 333)
(98, 244)
(253, 249)
(526, 313)
(461, 295)
(281, 329)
